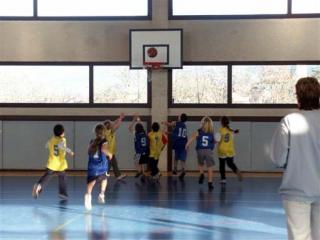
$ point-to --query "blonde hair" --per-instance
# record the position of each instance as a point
(207, 125)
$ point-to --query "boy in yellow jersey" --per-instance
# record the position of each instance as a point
(111, 128)
(157, 142)
(226, 150)
(57, 163)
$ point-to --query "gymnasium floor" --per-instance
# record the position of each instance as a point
(171, 210)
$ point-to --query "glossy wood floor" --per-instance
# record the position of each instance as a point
(134, 210)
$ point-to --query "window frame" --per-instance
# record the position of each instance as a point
(35, 16)
(289, 14)
(91, 103)
(229, 103)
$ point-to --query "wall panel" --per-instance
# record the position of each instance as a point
(24, 143)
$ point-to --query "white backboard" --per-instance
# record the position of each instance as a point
(168, 42)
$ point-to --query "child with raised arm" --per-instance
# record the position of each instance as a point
(111, 128)
(141, 147)
(99, 157)
(157, 142)
(204, 148)
(226, 150)
(57, 163)
(179, 141)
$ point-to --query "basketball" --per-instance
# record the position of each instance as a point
(152, 52)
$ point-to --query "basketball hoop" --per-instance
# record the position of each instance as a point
(150, 66)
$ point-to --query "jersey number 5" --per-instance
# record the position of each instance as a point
(56, 150)
(205, 141)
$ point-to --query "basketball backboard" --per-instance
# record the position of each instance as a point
(155, 46)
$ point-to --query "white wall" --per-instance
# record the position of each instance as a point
(24, 144)
(251, 144)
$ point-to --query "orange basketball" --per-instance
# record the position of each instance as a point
(152, 52)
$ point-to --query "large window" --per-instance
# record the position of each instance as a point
(211, 9)
(93, 7)
(44, 84)
(68, 85)
(228, 7)
(22, 8)
(236, 85)
(119, 84)
(305, 6)
(200, 84)
(75, 9)
(268, 84)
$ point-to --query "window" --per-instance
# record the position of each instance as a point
(92, 8)
(305, 6)
(44, 84)
(200, 84)
(119, 84)
(20, 8)
(268, 84)
(228, 7)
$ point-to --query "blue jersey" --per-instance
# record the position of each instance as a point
(205, 140)
(179, 136)
(141, 143)
(98, 162)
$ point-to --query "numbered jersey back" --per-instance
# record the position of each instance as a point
(179, 136)
(205, 140)
(141, 143)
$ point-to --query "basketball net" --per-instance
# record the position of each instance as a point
(150, 66)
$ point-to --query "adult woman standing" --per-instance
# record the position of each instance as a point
(296, 147)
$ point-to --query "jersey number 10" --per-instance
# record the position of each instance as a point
(182, 132)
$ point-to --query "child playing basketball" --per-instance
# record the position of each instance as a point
(157, 142)
(204, 147)
(141, 147)
(99, 157)
(226, 150)
(111, 128)
(57, 163)
(179, 141)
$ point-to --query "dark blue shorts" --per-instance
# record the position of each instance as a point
(180, 154)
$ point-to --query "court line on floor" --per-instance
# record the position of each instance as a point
(63, 225)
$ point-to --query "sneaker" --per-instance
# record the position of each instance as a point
(122, 176)
(181, 177)
(223, 181)
(87, 202)
(210, 186)
(101, 198)
(201, 178)
(239, 174)
(36, 190)
(138, 174)
(174, 172)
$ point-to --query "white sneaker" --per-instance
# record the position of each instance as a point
(36, 190)
(101, 198)
(223, 181)
(122, 176)
(87, 202)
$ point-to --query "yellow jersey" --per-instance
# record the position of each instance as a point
(156, 144)
(226, 144)
(57, 154)
(111, 139)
